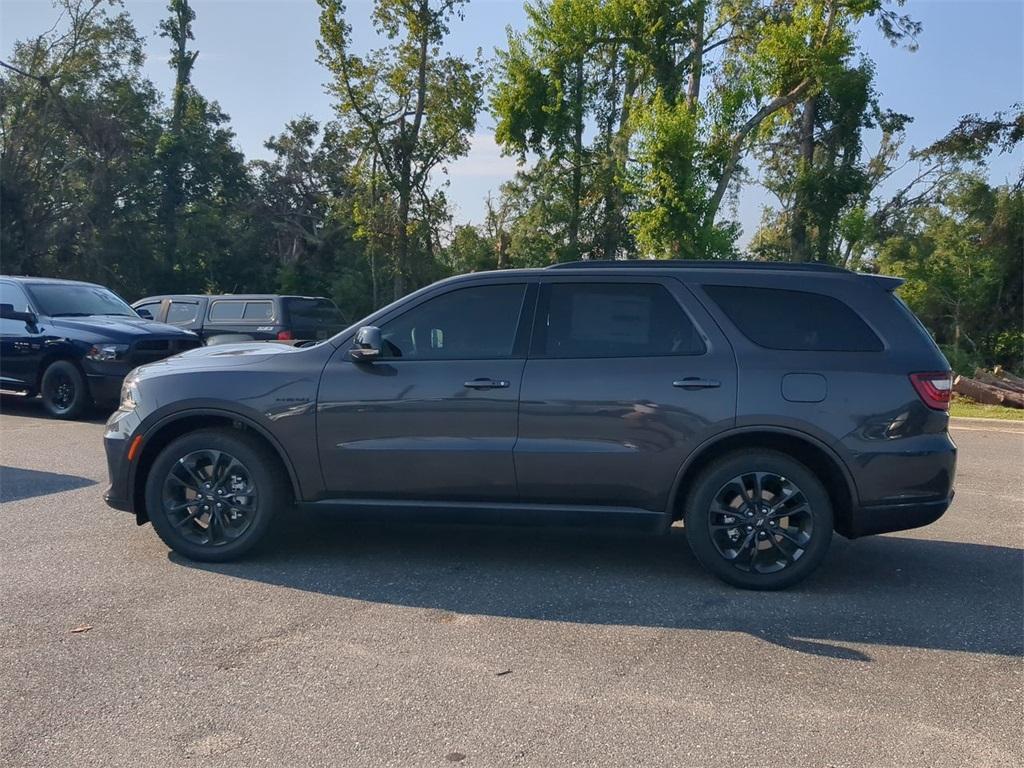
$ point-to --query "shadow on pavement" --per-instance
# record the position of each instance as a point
(17, 483)
(876, 591)
(19, 405)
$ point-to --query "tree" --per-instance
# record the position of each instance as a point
(962, 260)
(79, 130)
(409, 106)
(172, 151)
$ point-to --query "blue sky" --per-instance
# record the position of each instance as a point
(257, 58)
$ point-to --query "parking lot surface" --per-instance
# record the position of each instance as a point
(352, 644)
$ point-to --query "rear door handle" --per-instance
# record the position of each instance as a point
(692, 382)
(486, 384)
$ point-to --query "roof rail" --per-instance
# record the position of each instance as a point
(786, 266)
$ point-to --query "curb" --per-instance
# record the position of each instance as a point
(977, 420)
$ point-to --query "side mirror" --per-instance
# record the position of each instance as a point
(7, 313)
(145, 314)
(367, 344)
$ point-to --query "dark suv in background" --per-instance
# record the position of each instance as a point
(254, 317)
(74, 342)
(763, 405)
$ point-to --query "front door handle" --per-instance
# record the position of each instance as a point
(692, 382)
(486, 384)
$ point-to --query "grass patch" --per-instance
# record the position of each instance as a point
(961, 406)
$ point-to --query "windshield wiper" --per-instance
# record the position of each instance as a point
(69, 314)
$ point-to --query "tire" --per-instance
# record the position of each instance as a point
(769, 539)
(64, 391)
(210, 467)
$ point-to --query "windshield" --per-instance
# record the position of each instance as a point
(66, 300)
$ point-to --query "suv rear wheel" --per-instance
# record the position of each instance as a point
(212, 495)
(65, 395)
(759, 519)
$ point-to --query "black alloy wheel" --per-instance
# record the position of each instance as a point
(759, 519)
(213, 494)
(210, 497)
(65, 395)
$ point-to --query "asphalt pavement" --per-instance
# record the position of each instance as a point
(355, 644)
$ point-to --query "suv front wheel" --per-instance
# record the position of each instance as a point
(759, 519)
(212, 495)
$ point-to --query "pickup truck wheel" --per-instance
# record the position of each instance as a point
(212, 495)
(65, 395)
(759, 519)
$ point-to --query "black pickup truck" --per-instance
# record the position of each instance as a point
(74, 342)
(230, 318)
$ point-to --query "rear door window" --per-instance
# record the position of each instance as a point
(586, 320)
(152, 307)
(183, 312)
(777, 318)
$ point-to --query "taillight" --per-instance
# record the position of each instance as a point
(285, 336)
(934, 388)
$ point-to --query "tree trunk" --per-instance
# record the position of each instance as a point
(575, 213)
(740, 138)
(402, 242)
(697, 54)
(798, 229)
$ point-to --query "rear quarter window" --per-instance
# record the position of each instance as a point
(777, 318)
(227, 310)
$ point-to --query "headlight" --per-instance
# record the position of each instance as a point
(129, 395)
(105, 353)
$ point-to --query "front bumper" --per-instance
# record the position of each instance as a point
(120, 430)
(105, 389)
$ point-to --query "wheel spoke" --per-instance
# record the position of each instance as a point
(800, 510)
(189, 517)
(193, 475)
(790, 538)
(763, 499)
(771, 540)
(788, 494)
(756, 491)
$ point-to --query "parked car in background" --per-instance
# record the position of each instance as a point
(231, 318)
(763, 405)
(74, 342)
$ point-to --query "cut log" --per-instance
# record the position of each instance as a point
(994, 381)
(986, 394)
(1007, 376)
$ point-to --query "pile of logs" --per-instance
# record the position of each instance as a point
(995, 387)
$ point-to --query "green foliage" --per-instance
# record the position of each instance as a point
(634, 119)
(408, 107)
(965, 278)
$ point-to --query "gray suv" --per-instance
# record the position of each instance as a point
(762, 405)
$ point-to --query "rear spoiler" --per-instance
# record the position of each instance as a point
(885, 282)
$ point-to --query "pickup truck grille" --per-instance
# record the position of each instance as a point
(151, 350)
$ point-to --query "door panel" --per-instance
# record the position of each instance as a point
(412, 429)
(435, 416)
(616, 430)
(21, 345)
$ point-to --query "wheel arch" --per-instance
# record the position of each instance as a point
(173, 426)
(816, 455)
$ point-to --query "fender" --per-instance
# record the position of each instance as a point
(160, 421)
(701, 449)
